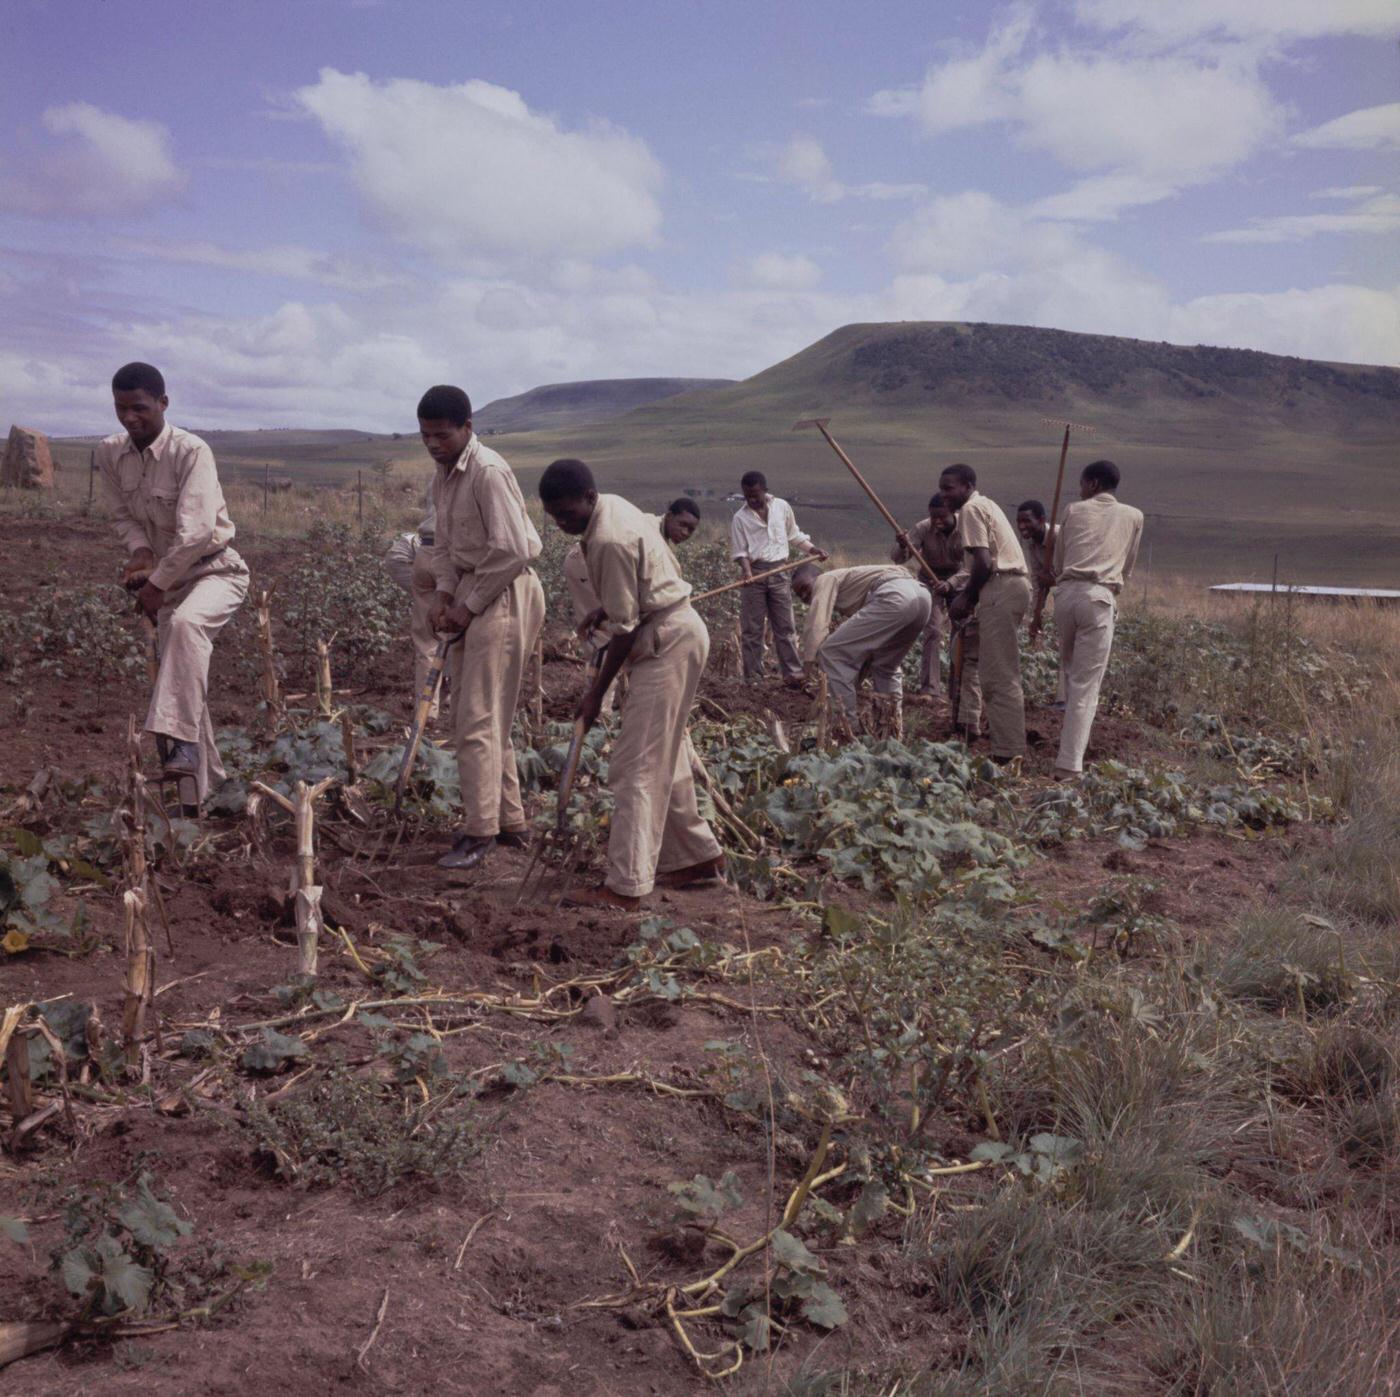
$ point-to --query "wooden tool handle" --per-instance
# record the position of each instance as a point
(566, 780)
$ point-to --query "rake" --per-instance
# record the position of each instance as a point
(1047, 567)
(562, 853)
(424, 706)
(178, 793)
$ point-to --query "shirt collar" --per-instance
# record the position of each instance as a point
(468, 451)
(157, 447)
(595, 519)
(1106, 496)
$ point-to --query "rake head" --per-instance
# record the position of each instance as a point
(559, 857)
(817, 422)
(1080, 427)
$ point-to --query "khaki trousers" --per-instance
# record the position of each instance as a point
(192, 616)
(881, 633)
(487, 668)
(992, 665)
(768, 600)
(1084, 616)
(656, 824)
(931, 643)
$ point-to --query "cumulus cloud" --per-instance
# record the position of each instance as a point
(803, 162)
(1379, 213)
(100, 164)
(779, 271)
(1278, 19)
(470, 171)
(1371, 128)
(1138, 124)
(290, 262)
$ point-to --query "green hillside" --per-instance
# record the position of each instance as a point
(1235, 455)
(556, 405)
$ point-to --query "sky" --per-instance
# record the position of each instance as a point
(307, 211)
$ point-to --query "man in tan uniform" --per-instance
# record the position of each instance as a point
(1095, 549)
(999, 593)
(885, 610)
(657, 835)
(163, 490)
(935, 540)
(483, 545)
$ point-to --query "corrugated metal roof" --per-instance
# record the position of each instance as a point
(1297, 590)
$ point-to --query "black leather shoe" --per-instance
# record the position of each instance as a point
(466, 853)
(514, 839)
(181, 758)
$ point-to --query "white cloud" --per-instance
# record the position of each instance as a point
(1346, 191)
(1371, 128)
(779, 271)
(1282, 19)
(803, 162)
(1140, 124)
(102, 164)
(293, 263)
(470, 172)
(1377, 214)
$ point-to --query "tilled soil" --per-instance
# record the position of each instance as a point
(474, 1287)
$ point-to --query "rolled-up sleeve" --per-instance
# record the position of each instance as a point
(130, 529)
(196, 517)
(819, 614)
(510, 544)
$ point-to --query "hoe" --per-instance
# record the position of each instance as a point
(562, 852)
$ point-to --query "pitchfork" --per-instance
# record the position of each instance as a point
(562, 852)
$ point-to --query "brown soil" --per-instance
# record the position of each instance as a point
(574, 1179)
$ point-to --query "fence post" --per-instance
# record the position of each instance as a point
(92, 473)
(267, 470)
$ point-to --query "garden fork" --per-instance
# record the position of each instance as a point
(562, 852)
(179, 794)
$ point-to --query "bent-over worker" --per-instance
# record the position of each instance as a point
(885, 610)
(1095, 549)
(998, 593)
(163, 489)
(935, 540)
(657, 834)
(761, 534)
(483, 545)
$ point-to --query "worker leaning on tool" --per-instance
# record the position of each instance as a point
(163, 490)
(935, 539)
(885, 611)
(998, 593)
(483, 545)
(657, 835)
(1095, 549)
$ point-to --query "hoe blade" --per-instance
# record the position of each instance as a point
(809, 422)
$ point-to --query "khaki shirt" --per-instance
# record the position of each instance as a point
(839, 593)
(1098, 542)
(632, 570)
(166, 498)
(942, 552)
(482, 537)
(981, 524)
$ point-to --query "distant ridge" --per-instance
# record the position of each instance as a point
(579, 404)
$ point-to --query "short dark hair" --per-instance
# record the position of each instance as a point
(1104, 473)
(684, 505)
(958, 471)
(445, 403)
(806, 575)
(753, 478)
(565, 479)
(936, 501)
(138, 377)
(1032, 507)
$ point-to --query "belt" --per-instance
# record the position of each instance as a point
(761, 566)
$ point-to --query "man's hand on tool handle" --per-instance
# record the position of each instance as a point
(960, 608)
(136, 577)
(448, 616)
(591, 622)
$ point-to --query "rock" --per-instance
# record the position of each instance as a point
(28, 463)
(600, 1012)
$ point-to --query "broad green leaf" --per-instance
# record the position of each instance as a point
(789, 1252)
(869, 1207)
(126, 1284)
(14, 1229)
(77, 1271)
(704, 1197)
(273, 1052)
(824, 1307)
(990, 1151)
(150, 1221)
(755, 1328)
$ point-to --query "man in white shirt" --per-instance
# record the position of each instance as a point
(760, 537)
(1096, 546)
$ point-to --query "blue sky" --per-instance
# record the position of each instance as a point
(306, 212)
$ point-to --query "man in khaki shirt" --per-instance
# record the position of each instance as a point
(1095, 550)
(934, 539)
(163, 490)
(998, 593)
(885, 610)
(657, 835)
(483, 545)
